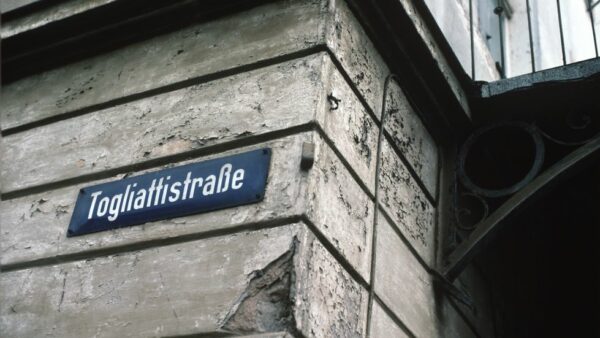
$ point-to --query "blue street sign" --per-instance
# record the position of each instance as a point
(190, 189)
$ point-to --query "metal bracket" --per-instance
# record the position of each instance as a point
(452, 290)
(308, 156)
(484, 231)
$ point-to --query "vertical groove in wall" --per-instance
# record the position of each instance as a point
(376, 198)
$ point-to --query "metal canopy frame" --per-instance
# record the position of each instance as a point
(577, 160)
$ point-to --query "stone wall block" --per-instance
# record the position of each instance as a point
(187, 288)
(346, 122)
(356, 53)
(329, 302)
(261, 33)
(383, 326)
(403, 284)
(224, 110)
(340, 208)
(411, 137)
(404, 201)
(34, 226)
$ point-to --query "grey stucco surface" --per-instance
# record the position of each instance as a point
(323, 84)
(356, 53)
(407, 205)
(407, 289)
(140, 293)
(412, 138)
(9, 5)
(340, 209)
(329, 302)
(402, 283)
(349, 126)
(383, 326)
(256, 102)
(268, 31)
(43, 218)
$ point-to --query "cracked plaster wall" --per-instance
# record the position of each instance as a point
(298, 263)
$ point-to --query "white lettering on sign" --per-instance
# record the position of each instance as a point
(163, 192)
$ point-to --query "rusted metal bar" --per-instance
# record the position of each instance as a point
(562, 38)
(530, 37)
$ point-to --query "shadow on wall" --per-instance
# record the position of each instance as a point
(544, 269)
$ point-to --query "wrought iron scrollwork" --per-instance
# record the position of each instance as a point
(498, 160)
(581, 130)
(478, 144)
(471, 210)
(539, 162)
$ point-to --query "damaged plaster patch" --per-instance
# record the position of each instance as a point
(361, 138)
(412, 138)
(334, 102)
(266, 303)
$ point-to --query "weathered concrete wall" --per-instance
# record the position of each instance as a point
(340, 209)
(141, 293)
(212, 288)
(383, 326)
(252, 103)
(44, 217)
(412, 139)
(406, 204)
(43, 16)
(329, 301)
(407, 289)
(206, 49)
(300, 262)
